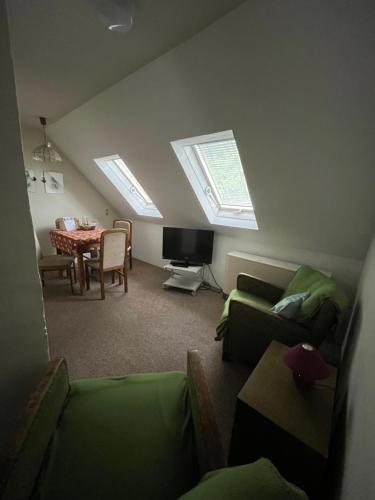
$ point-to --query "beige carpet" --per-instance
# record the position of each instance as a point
(148, 329)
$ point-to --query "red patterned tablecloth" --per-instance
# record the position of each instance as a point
(70, 241)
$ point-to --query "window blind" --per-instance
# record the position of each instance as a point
(222, 164)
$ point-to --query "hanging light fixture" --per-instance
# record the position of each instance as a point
(45, 151)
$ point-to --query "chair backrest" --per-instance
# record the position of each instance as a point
(113, 245)
(67, 223)
(39, 254)
(124, 224)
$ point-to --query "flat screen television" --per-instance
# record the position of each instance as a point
(186, 247)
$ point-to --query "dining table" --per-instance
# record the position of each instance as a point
(77, 243)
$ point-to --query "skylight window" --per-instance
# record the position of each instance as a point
(213, 166)
(122, 178)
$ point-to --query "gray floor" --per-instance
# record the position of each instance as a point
(148, 329)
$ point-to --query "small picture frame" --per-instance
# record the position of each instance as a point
(54, 182)
(30, 180)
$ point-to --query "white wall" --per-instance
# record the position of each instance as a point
(79, 198)
(23, 340)
(293, 79)
(148, 238)
(357, 437)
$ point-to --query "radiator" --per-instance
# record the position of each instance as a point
(276, 272)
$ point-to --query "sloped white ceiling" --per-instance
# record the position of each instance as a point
(293, 81)
(64, 55)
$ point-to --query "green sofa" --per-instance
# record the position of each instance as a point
(144, 436)
(248, 325)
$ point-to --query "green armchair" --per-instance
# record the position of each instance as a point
(140, 437)
(248, 325)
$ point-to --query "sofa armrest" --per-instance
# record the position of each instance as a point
(209, 447)
(23, 458)
(270, 321)
(256, 286)
(251, 330)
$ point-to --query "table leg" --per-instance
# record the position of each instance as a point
(81, 270)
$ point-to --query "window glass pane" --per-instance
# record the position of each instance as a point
(125, 171)
(222, 164)
(115, 169)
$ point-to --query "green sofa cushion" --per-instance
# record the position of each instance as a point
(257, 481)
(246, 298)
(320, 287)
(129, 437)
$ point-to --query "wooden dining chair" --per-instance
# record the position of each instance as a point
(60, 223)
(128, 225)
(113, 258)
(54, 262)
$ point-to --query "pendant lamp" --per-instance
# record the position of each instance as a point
(45, 151)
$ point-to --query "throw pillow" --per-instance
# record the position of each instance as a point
(259, 481)
(289, 307)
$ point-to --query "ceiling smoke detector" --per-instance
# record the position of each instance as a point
(117, 15)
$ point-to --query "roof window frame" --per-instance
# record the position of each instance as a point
(123, 179)
(204, 185)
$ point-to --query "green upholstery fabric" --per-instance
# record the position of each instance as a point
(320, 287)
(118, 438)
(257, 481)
(244, 297)
(30, 456)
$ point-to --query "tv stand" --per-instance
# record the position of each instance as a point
(179, 263)
(185, 276)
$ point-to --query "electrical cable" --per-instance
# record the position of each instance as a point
(208, 286)
(213, 277)
(204, 285)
